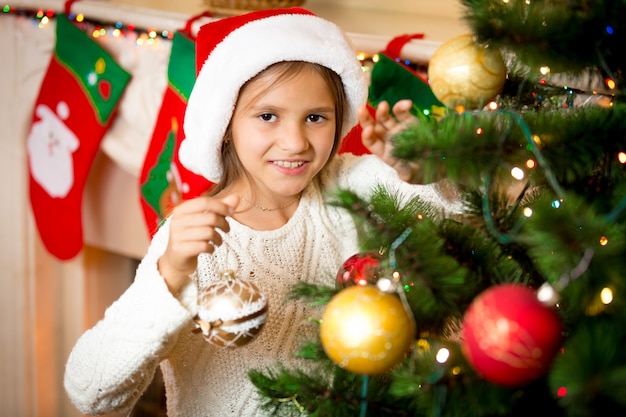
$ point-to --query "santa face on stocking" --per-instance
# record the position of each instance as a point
(50, 147)
(75, 106)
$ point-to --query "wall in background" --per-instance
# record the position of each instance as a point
(438, 19)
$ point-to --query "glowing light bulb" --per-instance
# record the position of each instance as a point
(442, 355)
(606, 296)
(610, 83)
(547, 295)
(517, 173)
(423, 345)
(384, 284)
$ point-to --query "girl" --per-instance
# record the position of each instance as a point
(276, 91)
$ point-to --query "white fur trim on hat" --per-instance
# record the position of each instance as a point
(245, 52)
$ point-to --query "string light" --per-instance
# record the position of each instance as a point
(606, 296)
(517, 173)
(94, 28)
(150, 36)
(610, 83)
(442, 355)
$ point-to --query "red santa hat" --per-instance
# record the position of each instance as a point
(231, 51)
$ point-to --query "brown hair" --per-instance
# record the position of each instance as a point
(231, 165)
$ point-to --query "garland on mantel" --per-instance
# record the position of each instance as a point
(143, 36)
(42, 17)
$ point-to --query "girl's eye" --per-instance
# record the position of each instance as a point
(267, 117)
(315, 118)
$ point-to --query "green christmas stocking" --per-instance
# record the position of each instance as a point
(75, 106)
(392, 80)
(164, 181)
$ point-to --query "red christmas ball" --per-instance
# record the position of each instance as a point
(509, 337)
(360, 269)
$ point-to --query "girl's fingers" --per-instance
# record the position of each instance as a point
(206, 204)
(384, 120)
(402, 111)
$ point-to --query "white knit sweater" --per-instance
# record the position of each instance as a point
(113, 363)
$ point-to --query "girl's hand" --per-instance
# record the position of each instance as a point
(193, 230)
(377, 132)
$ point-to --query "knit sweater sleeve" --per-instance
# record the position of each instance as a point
(112, 363)
(363, 174)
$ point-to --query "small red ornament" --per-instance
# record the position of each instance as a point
(509, 337)
(359, 269)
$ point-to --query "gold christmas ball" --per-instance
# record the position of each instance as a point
(464, 73)
(231, 311)
(365, 330)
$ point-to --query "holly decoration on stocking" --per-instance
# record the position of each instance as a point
(75, 106)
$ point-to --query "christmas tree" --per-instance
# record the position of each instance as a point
(518, 304)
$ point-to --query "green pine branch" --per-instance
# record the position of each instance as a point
(563, 224)
(567, 36)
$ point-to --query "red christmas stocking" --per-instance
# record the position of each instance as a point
(76, 103)
(164, 181)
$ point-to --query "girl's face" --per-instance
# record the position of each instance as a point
(283, 132)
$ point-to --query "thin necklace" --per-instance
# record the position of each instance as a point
(270, 209)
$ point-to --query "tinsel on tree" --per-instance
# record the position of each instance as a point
(541, 172)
